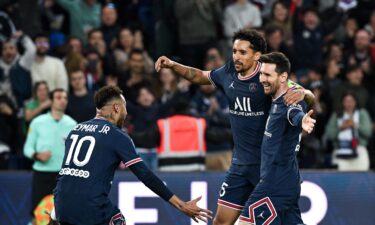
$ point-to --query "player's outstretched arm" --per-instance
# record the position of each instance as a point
(308, 123)
(191, 209)
(156, 185)
(194, 75)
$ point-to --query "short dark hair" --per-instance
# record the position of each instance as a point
(282, 62)
(256, 39)
(135, 51)
(52, 93)
(92, 31)
(41, 35)
(36, 86)
(106, 94)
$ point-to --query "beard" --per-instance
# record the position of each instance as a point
(120, 123)
(41, 53)
(270, 89)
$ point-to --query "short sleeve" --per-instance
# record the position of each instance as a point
(294, 85)
(295, 113)
(217, 76)
(126, 150)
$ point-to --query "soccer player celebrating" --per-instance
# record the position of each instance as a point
(93, 151)
(275, 198)
(248, 112)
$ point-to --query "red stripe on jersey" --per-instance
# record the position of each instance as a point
(230, 205)
(133, 161)
(245, 219)
(266, 201)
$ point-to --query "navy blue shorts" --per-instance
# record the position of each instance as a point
(238, 184)
(274, 206)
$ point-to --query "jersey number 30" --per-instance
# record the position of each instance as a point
(76, 148)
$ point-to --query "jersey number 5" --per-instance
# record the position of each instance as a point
(76, 148)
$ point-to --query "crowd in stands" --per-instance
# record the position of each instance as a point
(82, 45)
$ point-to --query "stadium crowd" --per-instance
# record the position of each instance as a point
(82, 45)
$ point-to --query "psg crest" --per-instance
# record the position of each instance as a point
(253, 87)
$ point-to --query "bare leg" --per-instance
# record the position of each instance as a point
(226, 216)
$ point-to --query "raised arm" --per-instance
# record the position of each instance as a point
(194, 75)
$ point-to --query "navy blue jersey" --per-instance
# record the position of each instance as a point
(93, 151)
(248, 111)
(281, 142)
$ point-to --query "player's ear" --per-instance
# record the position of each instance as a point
(116, 107)
(257, 55)
(284, 77)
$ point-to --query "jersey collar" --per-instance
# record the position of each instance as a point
(257, 68)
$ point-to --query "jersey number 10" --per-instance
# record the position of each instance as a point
(76, 148)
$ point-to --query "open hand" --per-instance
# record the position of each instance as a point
(308, 123)
(192, 210)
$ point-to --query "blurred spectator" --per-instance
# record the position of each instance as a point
(276, 42)
(280, 17)
(74, 61)
(84, 16)
(126, 42)
(214, 59)
(370, 27)
(197, 22)
(361, 54)
(8, 134)
(53, 17)
(109, 27)
(75, 44)
(7, 27)
(331, 81)
(354, 76)
(39, 104)
(308, 41)
(212, 105)
(96, 41)
(345, 33)
(81, 106)
(45, 145)
(135, 77)
(167, 84)
(48, 68)
(124, 45)
(181, 139)
(334, 51)
(25, 15)
(238, 15)
(94, 70)
(142, 117)
(15, 78)
(349, 129)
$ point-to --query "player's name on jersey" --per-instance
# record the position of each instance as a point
(91, 128)
(242, 113)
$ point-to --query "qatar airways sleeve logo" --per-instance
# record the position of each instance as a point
(243, 105)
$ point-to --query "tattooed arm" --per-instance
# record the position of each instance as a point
(194, 75)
